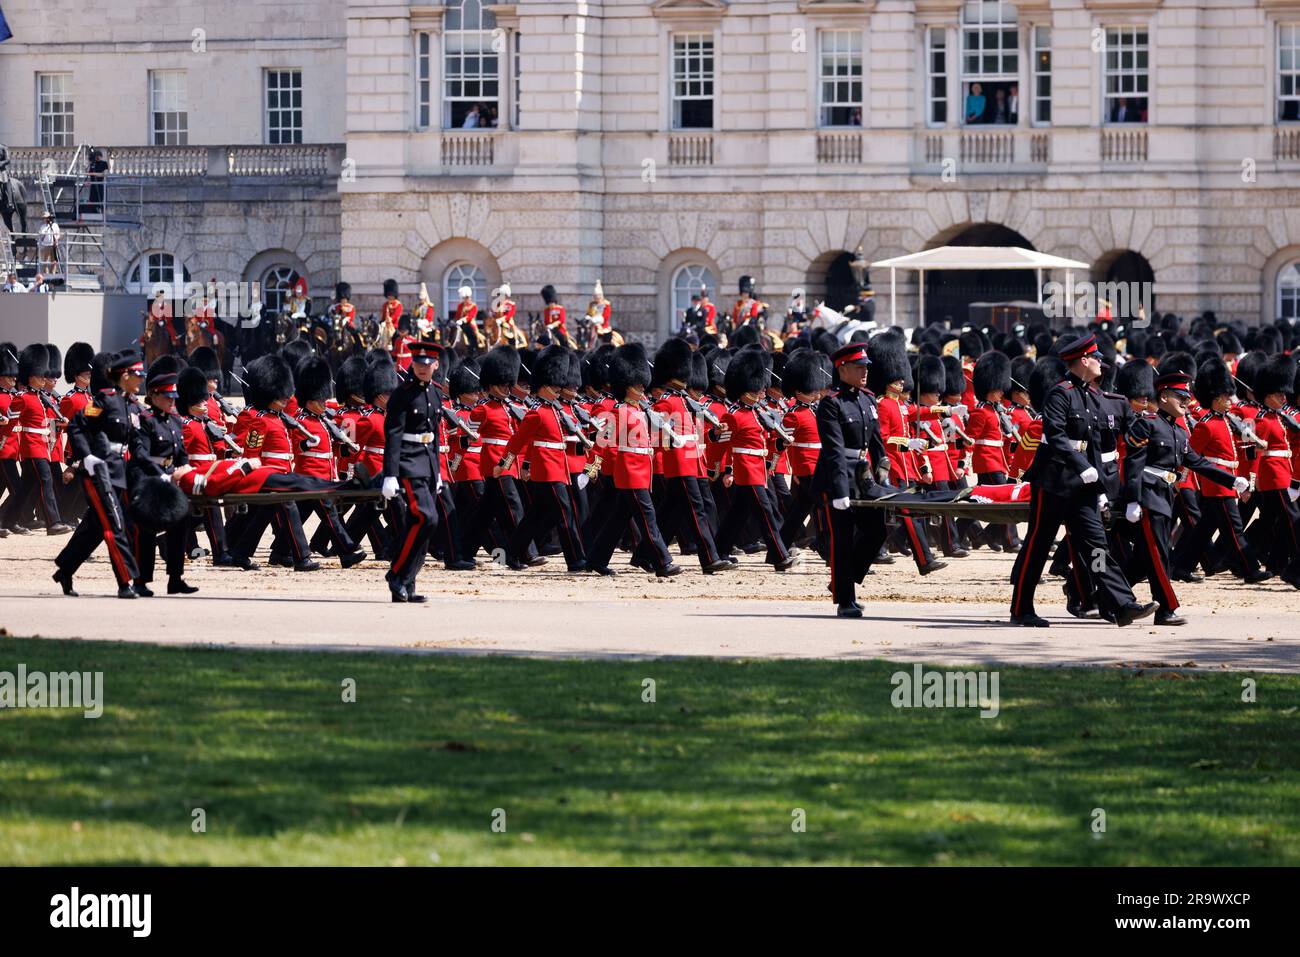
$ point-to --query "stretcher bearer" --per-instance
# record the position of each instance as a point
(1275, 487)
(10, 480)
(495, 419)
(378, 381)
(412, 467)
(927, 419)
(197, 432)
(36, 431)
(807, 377)
(991, 381)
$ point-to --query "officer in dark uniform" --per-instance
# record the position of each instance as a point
(163, 444)
(1158, 449)
(852, 450)
(97, 438)
(411, 466)
(1065, 478)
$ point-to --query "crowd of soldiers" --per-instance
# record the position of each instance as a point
(1166, 451)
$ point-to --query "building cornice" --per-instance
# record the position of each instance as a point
(836, 7)
(688, 10)
(1123, 6)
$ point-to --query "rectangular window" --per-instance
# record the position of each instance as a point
(990, 63)
(423, 79)
(840, 87)
(936, 76)
(169, 119)
(1127, 75)
(283, 106)
(693, 81)
(54, 108)
(1288, 72)
(471, 74)
(514, 100)
(1042, 75)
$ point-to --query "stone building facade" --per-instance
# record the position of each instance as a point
(653, 145)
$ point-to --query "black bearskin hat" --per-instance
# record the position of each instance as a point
(971, 344)
(718, 360)
(1136, 380)
(1048, 371)
(889, 363)
(381, 376)
(776, 363)
(746, 284)
(747, 372)
(80, 358)
(930, 376)
(698, 381)
(823, 340)
(157, 502)
(595, 366)
(1022, 367)
(628, 366)
(191, 389)
(551, 367)
(500, 366)
(164, 365)
(313, 381)
(549, 295)
(1276, 375)
(954, 376)
(1213, 378)
(390, 287)
(53, 361)
(745, 336)
(349, 381)
(673, 360)
(464, 378)
(342, 290)
(269, 378)
(8, 359)
(204, 358)
(294, 351)
(32, 361)
(1248, 367)
(992, 372)
(99, 371)
(574, 379)
(1228, 342)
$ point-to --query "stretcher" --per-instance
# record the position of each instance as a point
(280, 498)
(961, 504)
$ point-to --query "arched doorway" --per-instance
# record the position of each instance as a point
(1130, 283)
(949, 293)
(830, 280)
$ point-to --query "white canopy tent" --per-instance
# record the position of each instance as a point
(980, 258)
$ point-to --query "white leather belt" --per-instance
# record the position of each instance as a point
(938, 448)
(444, 449)
(1110, 456)
(1080, 446)
(806, 445)
(495, 442)
(762, 452)
(635, 451)
(1169, 478)
(374, 449)
(286, 456)
(161, 460)
(30, 430)
(548, 445)
(420, 438)
(203, 458)
(316, 455)
(1278, 454)
(995, 443)
(1223, 463)
(474, 448)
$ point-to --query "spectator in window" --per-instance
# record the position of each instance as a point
(1013, 103)
(1125, 112)
(1000, 113)
(471, 118)
(855, 116)
(48, 242)
(492, 116)
(975, 103)
(12, 284)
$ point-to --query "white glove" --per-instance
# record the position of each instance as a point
(916, 445)
(583, 480)
(1241, 485)
(1293, 493)
(165, 477)
(1102, 501)
(389, 489)
(437, 485)
(90, 463)
(958, 410)
(839, 504)
(1133, 512)
(1089, 475)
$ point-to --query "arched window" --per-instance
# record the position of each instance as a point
(277, 286)
(153, 268)
(687, 282)
(463, 274)
(1288, 292)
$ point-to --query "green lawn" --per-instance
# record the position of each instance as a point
(588, 773)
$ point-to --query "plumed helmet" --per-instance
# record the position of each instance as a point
(53, 361)
(954, 376)
(500, 366)
(598, 290)
(931, 379)
(746, 284)
(1048, 371)
(464, 378)
(349, 381)
(505, 290)
(628, 366)
(1213, 378)
(549, 295)
(390, 287)
(1136, 380)
(342, 290)
(8, 359)
(465, 292)
(314, 382)
(154, 501)
(381, 376)
(746, 373)
(269, 378)
(80, 359)
(673, 360)
(1022, 367)
(699, 377)
(191, 388)
(992, 372)
(551, 368)
(32, 361)
(204, 358)
(1275, 375)
(889, 363)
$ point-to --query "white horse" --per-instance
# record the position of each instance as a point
(841, 326)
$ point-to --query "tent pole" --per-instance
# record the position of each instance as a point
(1039, 274)
(893, 298)
(920, 324)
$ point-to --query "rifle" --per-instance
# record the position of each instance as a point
(1246, 429)
(309, 440)
(660, 425)
(567, 423)
(518, 411)
(50, 404)
(458, 423)
(1008, 426)
(768, 421)
(700, 411)
(218, 434)
(225, 407)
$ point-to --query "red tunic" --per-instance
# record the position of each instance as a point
(990, 448)
(370, 436)
(683, 461)
(392, 312)
(624, 447)
(468, 468)
(495, 427)
(554, 317)
(8, 437)
(894, 431)
(33, 424)
(1245, 466)
(1213, 438)
(577, 453)
(540, 438)
(262, 435)
(747, 446)
(929, 426)
(717, 455)
(1274, 470)
(198, 445)
(801, 420)
(467, 312)
(317, 461)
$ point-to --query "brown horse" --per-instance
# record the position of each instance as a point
(159, 337)
(201, 330)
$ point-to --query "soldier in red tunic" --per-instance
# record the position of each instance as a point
(35, 427)
(553, 315)
(10, 480)
(807, 376)
(200, 433)
(378, 380)
(1276, 488)
(747, 310)
(391, 311)
(467, 318)
(989, 427)
(495, 419)
(76, 372)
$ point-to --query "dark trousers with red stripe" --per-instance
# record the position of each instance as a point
(214, 523)
(419, 521)
(804, 502)
(145, 540)
(1005, 534)
(449, 542)
(501, 505)
(752, 502)
(682, 514)
(332, 528)
(856, 535)
(1082, 520)
(11, 482)
(468, 496)
(105, 521)
(628, 505)
(1279, 520)
(1149, 557)
(38, 492)
(550, 509)
(912, 531)
(246, 529)
(1218, 514)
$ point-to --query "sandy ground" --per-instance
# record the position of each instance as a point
(957, 615)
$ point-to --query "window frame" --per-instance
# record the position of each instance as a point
(1035, 74)
(1293, 72)
(1123, 29)
(709, 77)
(180, 136)
(1290, 267)
(298, 132)
(484, 34)
(929, 51)
(280, 292)
(836, 80)
(143, 265)
(68, 135)
(679, 312)
(450, 299)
